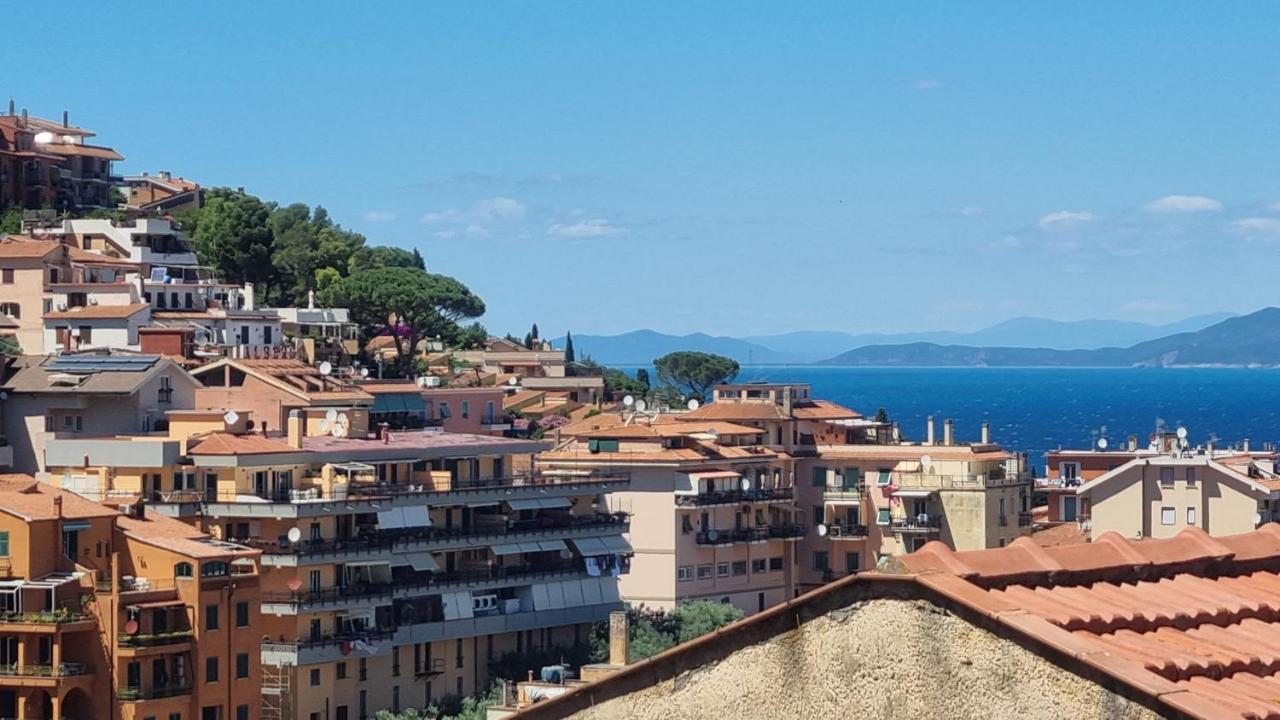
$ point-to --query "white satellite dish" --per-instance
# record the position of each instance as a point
(43, 138)
(326, 368)
(324, 426)
(294, 535)
(1257, 518)
(628, 401)
(746, 484)
(641, 405)
(925, 461)
(822, 530)
(331, 415)
(513, 381)
(1102, 443)
(231, 417)
(364, 372)
(1182, 433)
(694, 404)
(343, 420)
(339, 431)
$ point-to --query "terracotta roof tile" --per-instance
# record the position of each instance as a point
(25, 497)
(97, 312)
(230, 444)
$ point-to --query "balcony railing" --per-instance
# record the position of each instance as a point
(847, 530)
(155, 692)
(917, 524)
(66, 669)
(733, 497)
(339, 595)
(1024, 519)
(44, 617)
(155, 639)
(756, 534)
(482, 484)
(930, 481)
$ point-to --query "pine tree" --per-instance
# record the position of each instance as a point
(568, 347)
(528, 341)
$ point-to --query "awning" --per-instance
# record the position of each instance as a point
(486, 503)
(75, 525)
(156, 604)
(913, 493)
(529, 546)
(391, 519)
(537, 503)
(423, 561)
(366, 563)
(843, 501)
(714, 474)
(414, 516)
(398, 403)
(609, 545)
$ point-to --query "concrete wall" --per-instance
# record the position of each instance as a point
(1133, 502)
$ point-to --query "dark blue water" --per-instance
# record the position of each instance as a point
(1037, 409)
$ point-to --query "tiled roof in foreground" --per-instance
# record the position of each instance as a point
(1187, 626)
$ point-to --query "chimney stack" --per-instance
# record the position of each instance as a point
(1245, 445)
(66, 119)
(619, 637)
(24, 117)
(1132, 445)
(948, 432)
(928, 431)
(986, 433)
(294, 429)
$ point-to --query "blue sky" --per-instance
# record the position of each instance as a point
(733, 168)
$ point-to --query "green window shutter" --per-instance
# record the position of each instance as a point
(4, 544)
(819, 476)
(851, 478)
(882, 516)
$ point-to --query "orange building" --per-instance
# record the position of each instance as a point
(121, 615)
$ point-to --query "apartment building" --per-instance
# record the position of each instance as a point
(397, 566)
(407, 405)
(712, 508)
(516, 368)
(46, 164)
(270, 389)
(87, 395)
(161, 193)
(129, 615)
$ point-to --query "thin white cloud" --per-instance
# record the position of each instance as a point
(927, 84)
(1170, 204)
(1257, 226)
(478, 219)
(446, 234)
(1064, 219)
(438, 217)
(1274, 206)
(591, 228)
(973, 211)
(498, 208)
(378, 216)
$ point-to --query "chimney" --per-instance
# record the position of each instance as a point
(295, 429)
(164, 175)
(619, 637)
(264, 428)
(12, 109)
(986, 433)
(928, 431)
(1132, 443)
(948, 432)
(1245, 445)
(897, 433)
(24, 117)
(66, 119)
(311, 299)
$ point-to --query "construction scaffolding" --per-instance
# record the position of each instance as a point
(277, 692)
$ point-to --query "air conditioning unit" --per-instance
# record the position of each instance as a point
(833, 531)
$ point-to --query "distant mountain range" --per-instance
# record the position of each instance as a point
(1248, 340)
(642, 346)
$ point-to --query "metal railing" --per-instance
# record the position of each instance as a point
(338, 595)
(154, 692)
(846, 530)
(721, 497)
(756, 534)
(141, 640)
(66, 669)
(44, 617)
(931, 481)
(916, 524)
(331, 640)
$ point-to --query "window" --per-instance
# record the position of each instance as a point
(818, 517)
(211, 669)
(684, 573)
(883, 478)
(457, 660)
(6, 276)
(210, 617)
(466, 409)
(86, 334)
(445, 412)
(722, 569)
(740, 567)
(183, 570)
(882, 516)
(242, 614)
(1167, 516)
(315, 677)
(212, 712)
(1069, 471)
(13, 310)
(342, 671)
(759, 565)
(266, 335)
(165, 393)
(1166, 476)
(215, 568)
(4, 543)
(820, 561)
(242, 712)
(851, 562)
(242, 666)
(704, 571)
(1191, 516)
(819, 476)
(775, 563)
(1191, 476)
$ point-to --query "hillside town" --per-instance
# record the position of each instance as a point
(326, 491)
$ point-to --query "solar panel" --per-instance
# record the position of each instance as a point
(102, 363)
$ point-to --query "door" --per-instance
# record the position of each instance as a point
(1069, 508)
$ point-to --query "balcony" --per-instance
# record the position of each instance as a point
(750, 535)
(847, 531)
(157, 691)
(853, 490)
(920, 524)
(155, 640)
(66, 669)
(49, 620)
(734, 497)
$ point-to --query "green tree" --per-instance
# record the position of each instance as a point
(694, 373)
(882, 415)
(233, 235)
(647, 641)
(617, 382)
(699, 618)
(642, 377)
(304, 243)
(11, 221)
(568, 347)
(384, 256)
(414, 303)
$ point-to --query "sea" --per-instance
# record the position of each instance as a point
(1034, 410)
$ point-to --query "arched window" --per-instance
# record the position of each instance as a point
(12, 309)
(183, 570)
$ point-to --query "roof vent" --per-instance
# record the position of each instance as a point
(65, 379)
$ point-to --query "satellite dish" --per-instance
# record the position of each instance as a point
(131, 627)
(628, 401)
(694, 404)
(1102, 443)
(925, 461)
(331, 415)
(641, 405)
(44, 138)
(343, 420)
(822, 530)
(713, 535)
(326, 368)
(1182, 433)
(514, 381)
(294, 535)
(1257, 518)
(295, 584)
(231, 417)
(746, 484)
(364, 372)
(339, 431)
(324, 426)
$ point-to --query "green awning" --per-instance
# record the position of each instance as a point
(398, 403)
